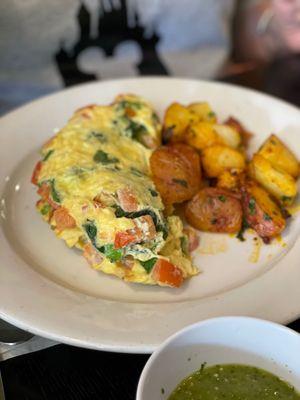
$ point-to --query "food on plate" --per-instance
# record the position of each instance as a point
(233, 381)
(231, 179)
(217, 159)
(261, 212)
(274, 150)
(96, 193)
(228, 134)
(278, 182)
(176, 172)
(215, 210)
(202, 134)
(108, 186)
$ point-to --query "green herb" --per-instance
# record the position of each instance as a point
(286, 198)
(111, 253)
(153, 192)
(102, 157)
(155, 118)
(267, 217)
(136, 172)
(222, 198)
(54, 194)
(45, 209)
(184, 243)
(129, 104)
(48, 154)
(91, 230)
(211, 114)
(135, 131)
(273, 141)
(181, 182)
(245, 226)
(99, 136)
(119, 213)
(251, 206)
(149, 264)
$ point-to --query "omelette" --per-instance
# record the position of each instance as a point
(97, 194)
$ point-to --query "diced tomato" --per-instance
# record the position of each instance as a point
(92, 256)
(127, 199)
(35, 175)
(63, 219)
(44, 191)
(167, 273)
(122, 239)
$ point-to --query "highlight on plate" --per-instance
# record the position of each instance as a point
(109, 187)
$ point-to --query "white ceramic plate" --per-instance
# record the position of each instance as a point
(49, 289)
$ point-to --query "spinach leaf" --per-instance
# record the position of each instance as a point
(119, 213)
(135, 130)
(102, 157)
(222, 198)
(153, 192)
(48, 154)
(111, 253)
(136, 172)
(91, 230)
(267, 217)
(54, 193)
(99, 136)
(129, 104)
(149, 264)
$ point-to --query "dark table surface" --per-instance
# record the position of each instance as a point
(68, 373)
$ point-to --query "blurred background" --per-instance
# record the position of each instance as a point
(46, 45)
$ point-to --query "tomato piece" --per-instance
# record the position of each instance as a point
(122, 239)
(127, 199)
(35, 174)
(167, 273)
(63, 219)
(44, 191)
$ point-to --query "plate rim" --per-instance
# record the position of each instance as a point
(138, 348)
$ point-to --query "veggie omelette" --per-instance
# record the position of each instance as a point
(97, 195)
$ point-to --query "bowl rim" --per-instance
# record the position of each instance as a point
(273, 325)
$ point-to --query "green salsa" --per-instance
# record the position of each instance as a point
(234, 382)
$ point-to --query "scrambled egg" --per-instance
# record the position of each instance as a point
(97, 195)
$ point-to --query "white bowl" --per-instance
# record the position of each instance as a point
(241, 340)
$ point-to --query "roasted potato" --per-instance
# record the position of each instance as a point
(229, 135)
(280, 184)
(201, 135)
(218, 158)
(177, 119)
(176, 172)
(203, 111)
(261, 212)
(215, 210)
(231, 179)
(279, 156)
(244, 133)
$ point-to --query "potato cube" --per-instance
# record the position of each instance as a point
(277, 182)
(218, 158)
(279, 156)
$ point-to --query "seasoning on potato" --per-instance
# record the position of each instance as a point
(176, 172)
(215, 210)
